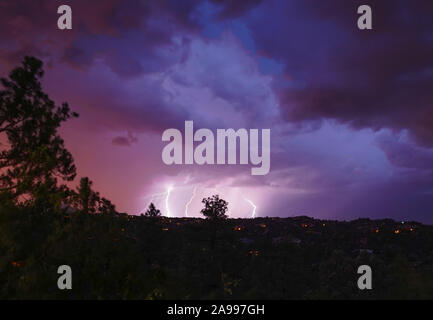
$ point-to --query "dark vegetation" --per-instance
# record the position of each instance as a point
(45, 224)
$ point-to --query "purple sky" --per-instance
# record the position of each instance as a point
(350, 111)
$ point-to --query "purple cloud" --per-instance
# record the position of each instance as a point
(350, 111)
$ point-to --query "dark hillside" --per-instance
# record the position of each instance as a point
(135, 257)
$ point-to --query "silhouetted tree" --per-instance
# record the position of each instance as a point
(152, 211)
(214, 208)
(34, 156)
(89, 201)
(106, 206)
(215, 211)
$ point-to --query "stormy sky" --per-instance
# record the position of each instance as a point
(350, 111)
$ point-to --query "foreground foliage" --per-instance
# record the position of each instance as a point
(116, 256)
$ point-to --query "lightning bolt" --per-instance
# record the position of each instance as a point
(152, 197)
(190, 200)
(253, 215)
(169, 189)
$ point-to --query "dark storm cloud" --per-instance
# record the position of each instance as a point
(378, 78)
(132, 39)
(124, 141)
(121, 141)
(230, 9)
(404, 154)
(111, 29)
